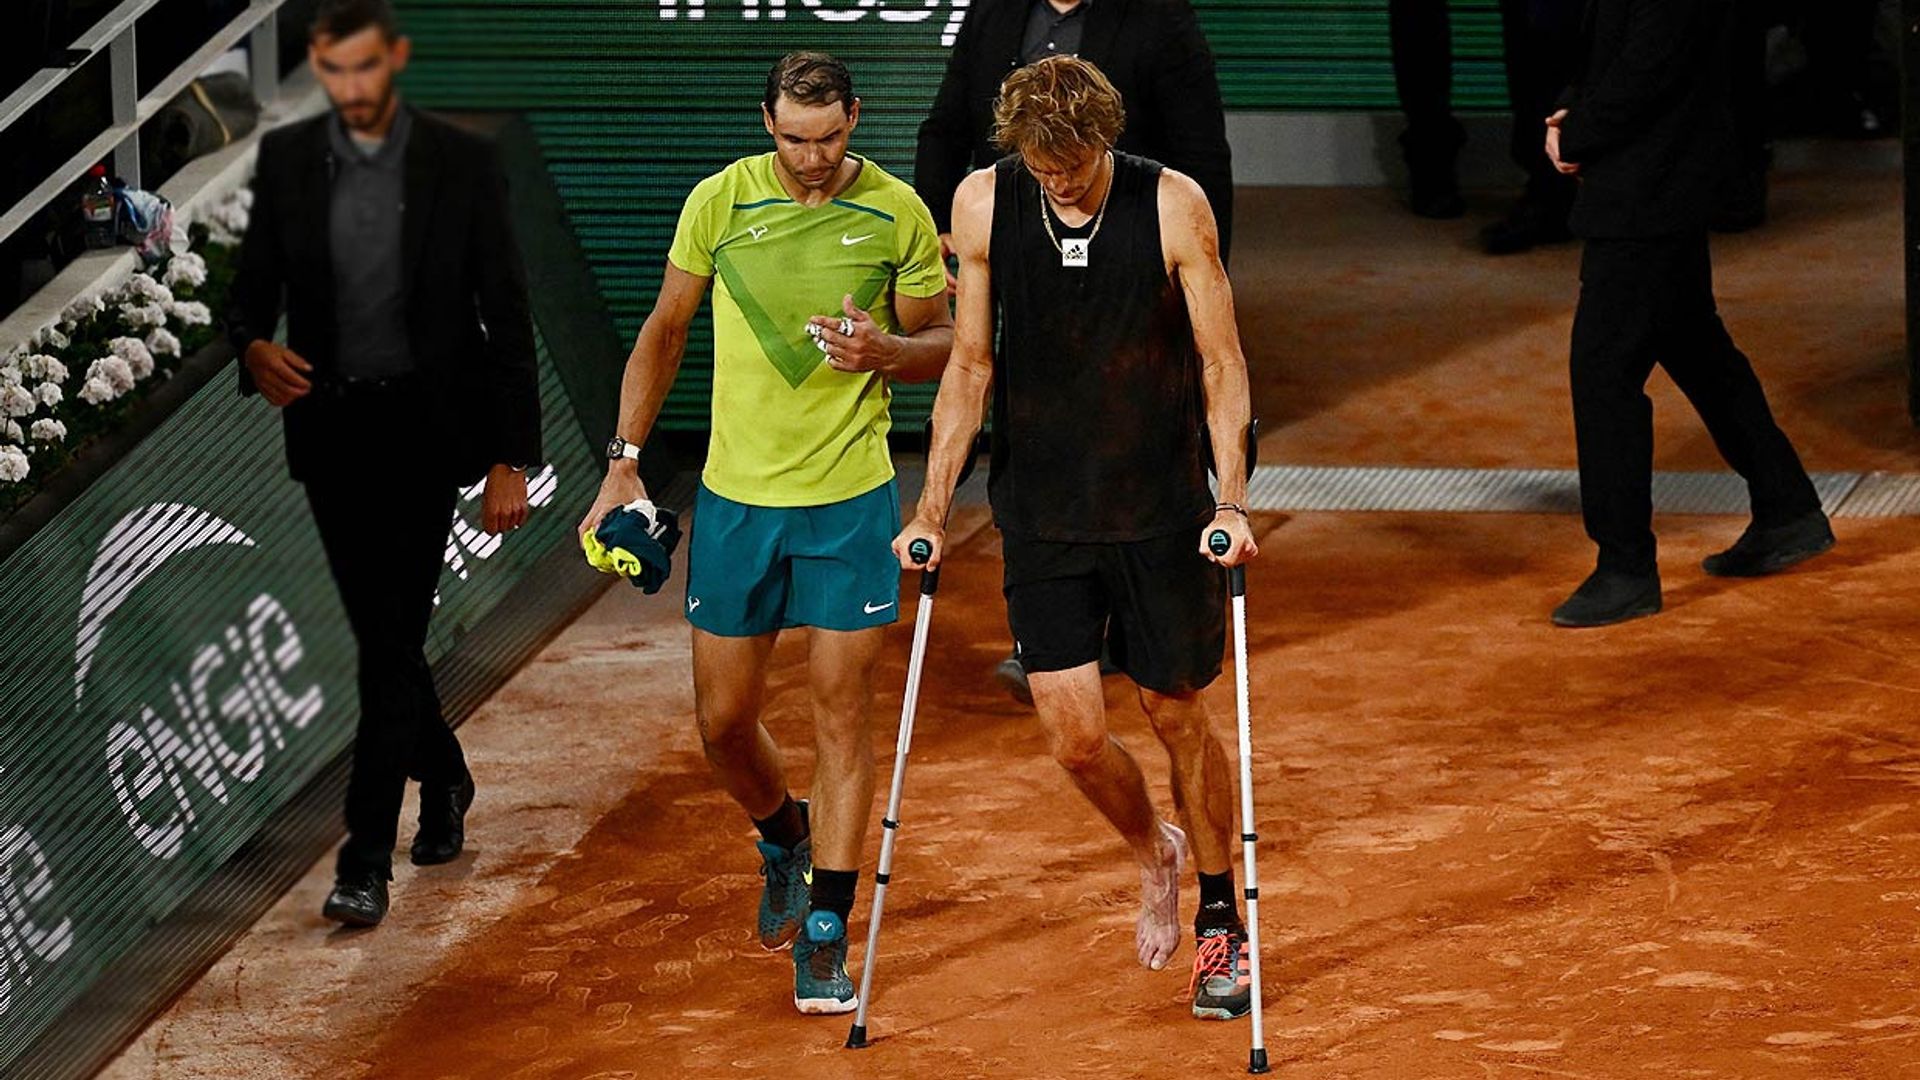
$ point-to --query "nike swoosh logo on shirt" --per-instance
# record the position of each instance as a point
(849, 241)
(871, 608)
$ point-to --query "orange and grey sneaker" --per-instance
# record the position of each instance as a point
(1222, 986)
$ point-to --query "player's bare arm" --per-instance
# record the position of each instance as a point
(962, 401)
(1191, 244)
(650, 371)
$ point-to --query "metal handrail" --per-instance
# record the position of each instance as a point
(46, 80)
(115, 32)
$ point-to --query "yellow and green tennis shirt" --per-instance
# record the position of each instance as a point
(789, 430)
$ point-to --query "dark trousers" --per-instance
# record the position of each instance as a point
(384, 527)
(1541, 49)
(1647, 302)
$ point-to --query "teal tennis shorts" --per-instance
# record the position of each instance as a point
(753, 570)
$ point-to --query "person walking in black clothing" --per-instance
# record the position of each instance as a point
(1648, 129)
(1540, 46)
(408, 373)
(1151, 50)
(1103, 272)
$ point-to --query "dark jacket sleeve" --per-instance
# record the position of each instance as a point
(511, 371)
(945, 151)
(1186, 91)
(259, 280)
(1656, 64)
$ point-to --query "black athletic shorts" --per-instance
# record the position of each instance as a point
(1158, 605)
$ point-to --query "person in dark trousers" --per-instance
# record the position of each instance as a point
(1648, 128)
(408, 373)
(1153, 52)
(1540, 44)
(1116, 342)
(1156, 57)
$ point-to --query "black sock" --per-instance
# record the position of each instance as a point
(785, 827)
(833, 891)
(1217, 909)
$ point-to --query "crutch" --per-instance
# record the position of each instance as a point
(1220, 543)
(919, 551)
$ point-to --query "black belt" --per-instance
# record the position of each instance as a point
(350, 386)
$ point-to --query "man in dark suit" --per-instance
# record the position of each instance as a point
(1648, 128)
(1151, 50)
(408, 373)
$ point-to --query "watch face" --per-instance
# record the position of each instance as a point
(616, 447)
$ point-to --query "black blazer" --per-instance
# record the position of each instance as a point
(1650, 118)
(467, 314)
(1152, 51)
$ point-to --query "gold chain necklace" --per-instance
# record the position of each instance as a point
(1046, 215)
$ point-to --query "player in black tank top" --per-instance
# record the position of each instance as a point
(1097, 403)
(1101, 274)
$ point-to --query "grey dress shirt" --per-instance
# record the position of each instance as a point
(1050, 33)
(369, 191)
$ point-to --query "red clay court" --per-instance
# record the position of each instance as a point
(1688, 846)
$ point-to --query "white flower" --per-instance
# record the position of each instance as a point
(13, 464)
(186, 269)
(16, 401)
(83, 309)
(144, 316)
(163, 343)
(49, 394)
(52, 431)
(191, 313)
(10, 431)
(52, 338)
(10, 375)
(43, 367)
(242, 197)
(144, 288)
(135, 353)
(115, 371)
(97, 390)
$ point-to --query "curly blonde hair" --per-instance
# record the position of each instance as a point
(1060, 107)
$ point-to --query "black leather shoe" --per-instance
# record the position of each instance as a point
(443, 822)
(1608, 597)
(1760, 552)
(1527, 226)
(358, 899)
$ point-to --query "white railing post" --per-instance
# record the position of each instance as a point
(123, 59)
(263, 57)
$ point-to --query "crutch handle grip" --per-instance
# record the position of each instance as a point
(1220, 543)
(920, 551)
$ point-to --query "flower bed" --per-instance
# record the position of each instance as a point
(84, 375)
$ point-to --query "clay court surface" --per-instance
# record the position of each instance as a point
(1684, 847)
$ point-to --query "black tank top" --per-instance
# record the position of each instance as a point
(1097, 401)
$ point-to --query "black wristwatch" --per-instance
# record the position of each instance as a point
(618, 448)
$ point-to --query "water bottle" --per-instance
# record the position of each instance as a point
(96, 208)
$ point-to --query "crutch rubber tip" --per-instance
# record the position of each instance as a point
(857, 1040)
(1256, 1061)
